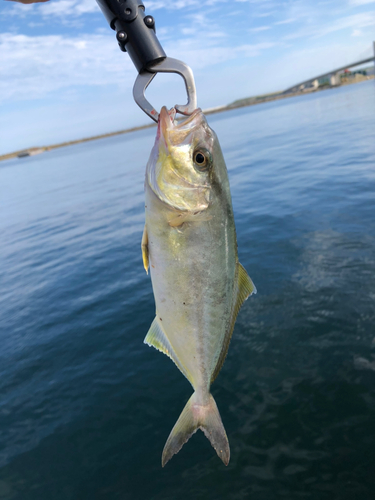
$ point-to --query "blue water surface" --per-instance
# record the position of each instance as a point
(86, 407)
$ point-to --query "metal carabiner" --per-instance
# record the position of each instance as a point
(168, 65)
(135, 33)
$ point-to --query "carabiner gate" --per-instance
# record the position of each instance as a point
(168, 65)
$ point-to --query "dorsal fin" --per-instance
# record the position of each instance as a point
(243, 288)
(156, 337)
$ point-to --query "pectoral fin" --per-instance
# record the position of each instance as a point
(157, 338)
(243, 288)
(144, 246)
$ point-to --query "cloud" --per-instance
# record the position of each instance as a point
(355, 21)
(206, 53)
(171, 4)
(360, 2)
(260, 28)
(33, 66)
(69, 8)
(356, 33)
(59, 8)
(264, 14)
(287, 21)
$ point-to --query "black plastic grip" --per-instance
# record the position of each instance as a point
(135, 31)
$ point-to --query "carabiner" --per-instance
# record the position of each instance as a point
(168, 65)
(135, 33)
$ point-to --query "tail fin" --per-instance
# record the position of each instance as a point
(192, 418)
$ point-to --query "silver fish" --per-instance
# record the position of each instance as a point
(189, 242)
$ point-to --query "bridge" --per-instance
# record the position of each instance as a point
(335, 79)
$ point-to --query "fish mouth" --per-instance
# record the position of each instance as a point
(189, 119)
(167, 123)
(167, 119)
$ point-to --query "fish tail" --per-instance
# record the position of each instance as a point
(193, 417)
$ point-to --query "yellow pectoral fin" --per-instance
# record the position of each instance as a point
(144, 246)
(179, 219)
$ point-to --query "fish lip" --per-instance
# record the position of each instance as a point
(167, 120)
(167, 123)
(189, 118)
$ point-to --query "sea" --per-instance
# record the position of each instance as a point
(86, 406)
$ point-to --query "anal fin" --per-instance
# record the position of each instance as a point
(156, 337)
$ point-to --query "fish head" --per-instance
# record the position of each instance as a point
(182, 161)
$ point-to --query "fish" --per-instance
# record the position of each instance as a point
(189, 244)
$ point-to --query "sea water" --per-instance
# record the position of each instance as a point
(86, 407)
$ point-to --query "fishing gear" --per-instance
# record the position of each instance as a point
(136, 35)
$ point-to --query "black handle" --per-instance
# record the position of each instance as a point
(135, 32)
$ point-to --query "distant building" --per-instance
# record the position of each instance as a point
(335, 80)
(30, 152)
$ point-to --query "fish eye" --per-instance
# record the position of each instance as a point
(202, 159)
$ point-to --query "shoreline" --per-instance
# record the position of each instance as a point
(240, 103)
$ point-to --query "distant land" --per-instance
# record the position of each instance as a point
(240, 103)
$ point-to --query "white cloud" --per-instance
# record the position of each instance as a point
(206, 53)
(68, 8)
(188, 31)
(217, 34)
(264, 14)
(253, 50)
(59, 8)
(356, 33)
(287, 21)
(33, 66)
(17, 9)
(260, 28)
(355, 21)
(360, 2)
(170, 4)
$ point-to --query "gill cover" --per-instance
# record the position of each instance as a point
(174, 171)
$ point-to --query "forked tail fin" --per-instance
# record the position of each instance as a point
(194, 417)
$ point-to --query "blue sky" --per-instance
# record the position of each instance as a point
(63, 76)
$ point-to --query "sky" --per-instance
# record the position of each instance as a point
(63, 77)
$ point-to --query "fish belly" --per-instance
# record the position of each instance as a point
(193, 271)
